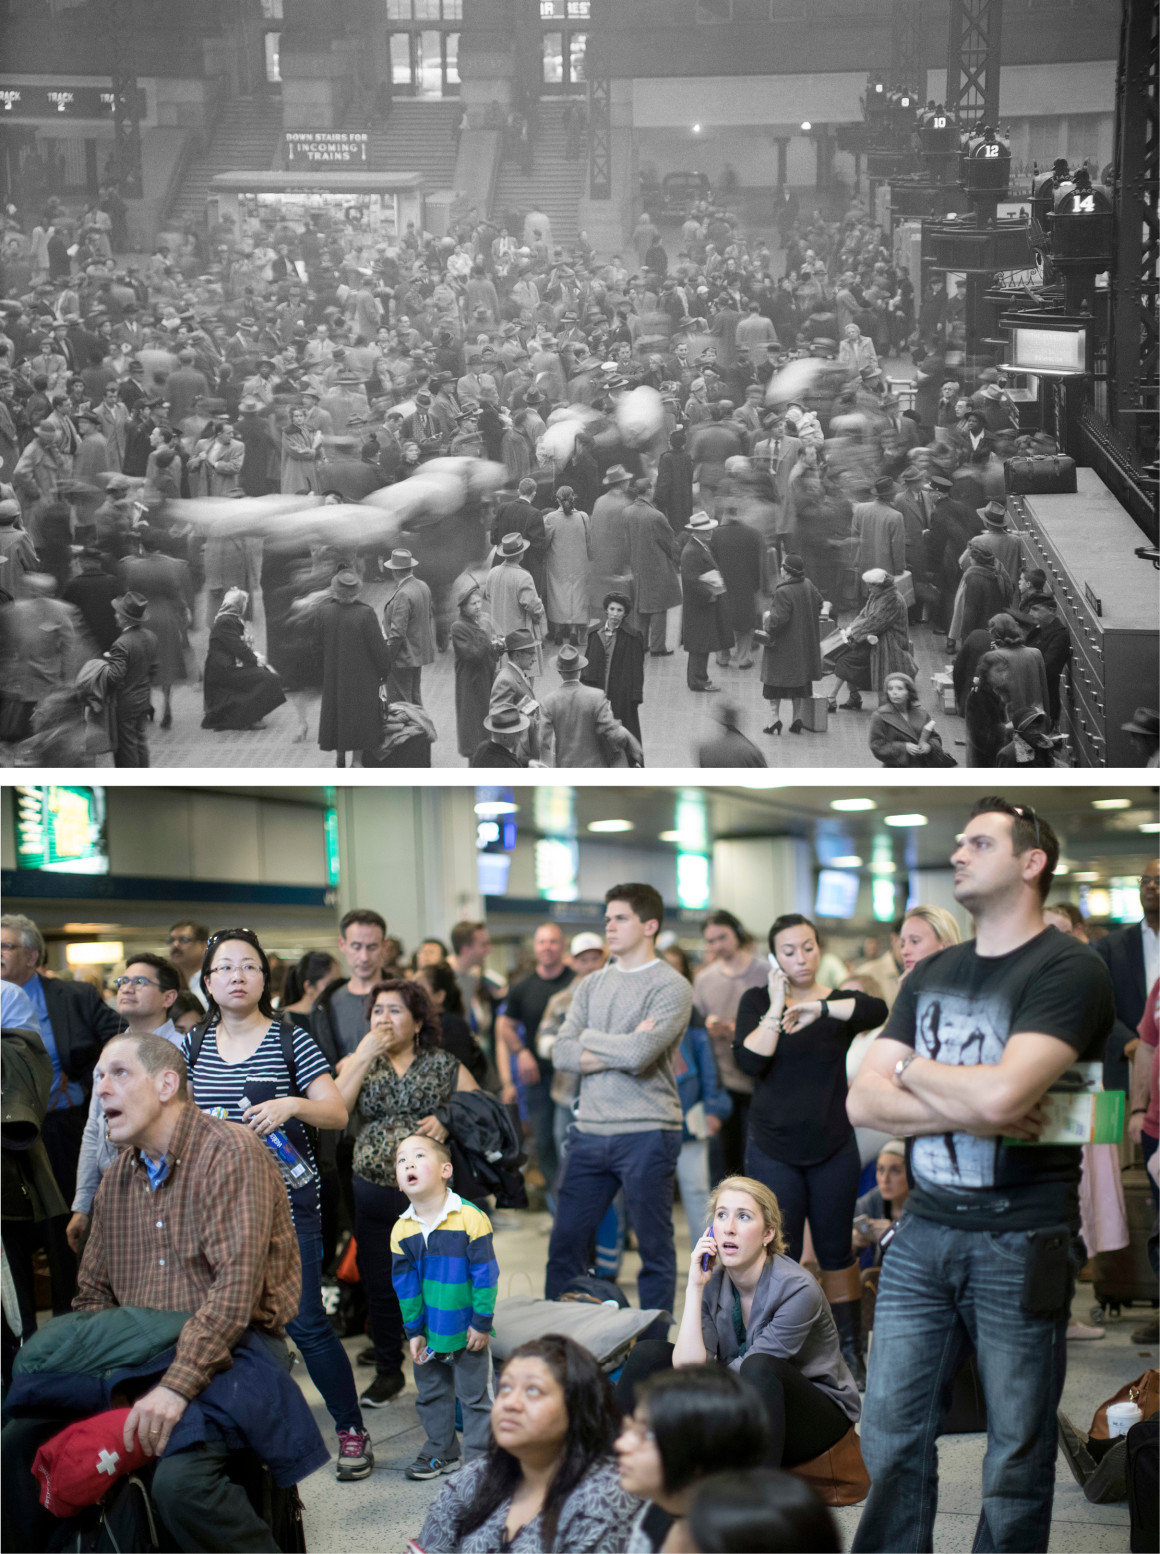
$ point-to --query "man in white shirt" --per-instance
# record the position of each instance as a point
(144, 995)
(187, 946)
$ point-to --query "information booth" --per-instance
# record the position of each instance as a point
(379, 205)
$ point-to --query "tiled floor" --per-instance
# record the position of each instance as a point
(385, 1510)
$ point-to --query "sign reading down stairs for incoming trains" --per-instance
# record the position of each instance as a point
(326, 148)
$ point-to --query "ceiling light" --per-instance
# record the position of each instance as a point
(850, 805)
(883, 866)
(1111, 803)
(493, 807)
(696, 129)
(671, 836)
(106, 953)
(846, 861)
(905, 820)
(806, 126)
(610, 825)
(1086, 877)
(1151, 825)
(1060, 871)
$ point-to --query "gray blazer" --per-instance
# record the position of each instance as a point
(790, 1319)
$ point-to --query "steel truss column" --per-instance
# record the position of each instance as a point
(907, 59)
(598, 68)
(126, 98)
(974, 44)
(1133, 348)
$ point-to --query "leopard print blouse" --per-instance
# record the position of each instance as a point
(392, 1104)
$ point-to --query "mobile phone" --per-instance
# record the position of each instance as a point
(772, 959)
(862, 1223)
(1047, 1274)
(706, 1260)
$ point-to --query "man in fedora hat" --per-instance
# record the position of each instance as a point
(513, 684)
(880, 531)
(1144, 727)
(1049, 634)
(996, 536)
(705, 620)
(510, 595)
(134, 665)
(578, 725)
(354, 662)
(507, 726)
(409, 626)
(422, 426)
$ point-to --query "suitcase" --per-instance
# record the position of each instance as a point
(1144, 1486)
(1125, 1276)
(815, 715)
(1039, 474)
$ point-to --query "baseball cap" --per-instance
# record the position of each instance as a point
(585, 941)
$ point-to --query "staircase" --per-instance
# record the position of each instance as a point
(245, 140)
(556, 186)
(415, 139)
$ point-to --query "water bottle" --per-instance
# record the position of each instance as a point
(296, 1172)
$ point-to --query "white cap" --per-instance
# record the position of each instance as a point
(586, 941)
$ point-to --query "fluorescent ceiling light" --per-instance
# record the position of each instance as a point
(1111, 803)
(852, 805)
(905, 820)
(883, 866)
(1086, 876)
(610, 825)
(488, 810)
(846, 861)
(1151, 825)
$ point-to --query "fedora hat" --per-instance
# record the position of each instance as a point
(251, 406)
(519, 641)
(345, 584)
(912, 476)
(884, 486)
(570, 658)
(616, 475)
(1145, 721)
(994, 515)
(133, 605)
(401, 561)
(701, 523)
(513, 545)
(506, 720)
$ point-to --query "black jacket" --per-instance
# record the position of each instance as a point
(1122, 952)
(486, 1150)
(81, 1025)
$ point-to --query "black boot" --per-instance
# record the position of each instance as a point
(848, 1319)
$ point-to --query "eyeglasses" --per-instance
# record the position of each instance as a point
(120, 982)
(182, 938)
(247, 968)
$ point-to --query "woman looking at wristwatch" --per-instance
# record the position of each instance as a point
(791, 1037)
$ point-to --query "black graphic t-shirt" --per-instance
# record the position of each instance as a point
(961, 1007)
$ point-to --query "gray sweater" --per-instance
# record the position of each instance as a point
(789, 1319)
(637, 1092)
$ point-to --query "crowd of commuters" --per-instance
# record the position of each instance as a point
(702, 424)
(878, 1106)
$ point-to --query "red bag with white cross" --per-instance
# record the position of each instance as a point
(78, 1467)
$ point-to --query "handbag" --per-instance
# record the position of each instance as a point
(831, 644)
(1144, 1391)
(838, 1476)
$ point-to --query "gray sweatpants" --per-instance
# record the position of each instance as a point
(442, 1379)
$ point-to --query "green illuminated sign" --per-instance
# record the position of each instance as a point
(61, 829)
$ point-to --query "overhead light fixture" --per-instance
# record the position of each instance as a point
(1111, 803)
(696, 129)
(493, 807)
(883, 866)
(1085, 876)
(1151, 825)
(105, 953)
(904, 821)
(846, 861)
(610, 825)
(806, 126)
(671, 836)
(849, 806)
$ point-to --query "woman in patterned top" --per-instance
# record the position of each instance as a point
(239, 1069)
(549, 1480)
(397, 1076)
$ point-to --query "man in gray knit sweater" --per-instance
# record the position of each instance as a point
(621, 1036)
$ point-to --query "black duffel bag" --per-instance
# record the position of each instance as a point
(1039, 474)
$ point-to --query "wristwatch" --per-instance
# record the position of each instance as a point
(902, 1065)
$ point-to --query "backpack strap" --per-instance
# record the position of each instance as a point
(286, 1037)
(196, 1041)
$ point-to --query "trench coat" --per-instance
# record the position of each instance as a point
(354, 661)
(792, 659)
(611, 568)
(705, 626)
(741, 557)
(653, 553)
(409, 622)
(566, 566)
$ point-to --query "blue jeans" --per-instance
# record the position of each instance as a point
(318, 1343)
(644, 1165)
(942, 1291)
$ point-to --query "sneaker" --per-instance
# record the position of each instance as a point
(1082, 1330)
(355, 1457)
(386, 1385)
(431, 1467)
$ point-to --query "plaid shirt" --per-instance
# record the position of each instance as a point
(215, 1238)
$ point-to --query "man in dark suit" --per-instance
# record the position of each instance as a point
(1130, 955)
(75, 1023)
(133, 668)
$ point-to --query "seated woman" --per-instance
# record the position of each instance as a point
(755, 1311)
(879, 1208)
(758, 1510)
(549, 1480)
(240, 689)
(901, 733)
(685, 1424)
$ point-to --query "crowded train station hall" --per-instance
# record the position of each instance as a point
(763, 1167)
(404, 383)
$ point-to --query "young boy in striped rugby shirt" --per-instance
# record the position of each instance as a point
(445, 1275)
